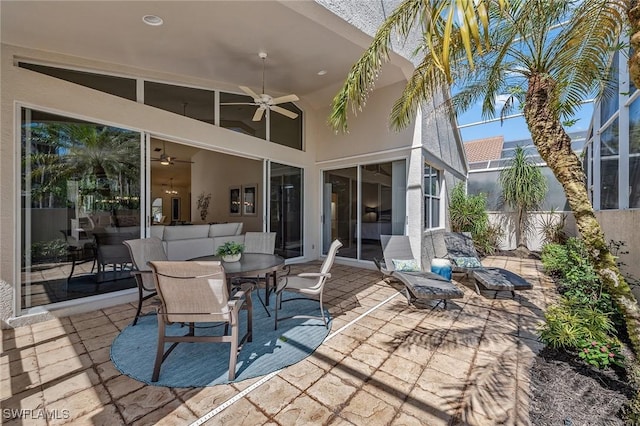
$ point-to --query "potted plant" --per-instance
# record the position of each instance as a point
(230, 251)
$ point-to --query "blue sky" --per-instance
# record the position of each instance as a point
(513, 128)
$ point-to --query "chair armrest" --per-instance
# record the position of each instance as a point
(314, 274)
(238, 297)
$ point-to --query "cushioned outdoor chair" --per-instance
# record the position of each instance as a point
(464, 258)
(261, 243)
(400, 264)
(307, 283)
(197, 292)
(142, 251)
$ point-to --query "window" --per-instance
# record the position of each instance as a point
(237, 112)
(185, 101)
(431, 180)
(284, 130)
(117, 86)
(80, 196)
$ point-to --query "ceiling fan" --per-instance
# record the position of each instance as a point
(167, 160)
(264, 101)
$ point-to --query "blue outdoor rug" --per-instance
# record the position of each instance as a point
(206, 364)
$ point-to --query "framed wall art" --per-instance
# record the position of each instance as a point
(235, 201)
(250, 200)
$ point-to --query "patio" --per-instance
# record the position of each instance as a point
(384, 362)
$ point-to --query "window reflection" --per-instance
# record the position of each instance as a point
(80, 194)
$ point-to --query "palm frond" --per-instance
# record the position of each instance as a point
(364, 73)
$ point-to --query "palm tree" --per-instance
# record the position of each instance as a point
(523, 189)
(549, 55)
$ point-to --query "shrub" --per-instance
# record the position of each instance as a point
(488, 242)
(554, 259)
(468, 213)
(552, 227)
(585, 329)
(600, 354)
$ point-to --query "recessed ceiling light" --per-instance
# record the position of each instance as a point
(322, 72)
(152, 20)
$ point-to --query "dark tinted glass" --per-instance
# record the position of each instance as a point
(186, 101)
(118, 86)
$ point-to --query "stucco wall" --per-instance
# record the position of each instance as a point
(213, 173)
(624, 225)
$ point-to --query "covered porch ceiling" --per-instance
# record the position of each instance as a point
(211, 40)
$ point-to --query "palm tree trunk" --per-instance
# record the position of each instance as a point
(554, 146)
(634, 60)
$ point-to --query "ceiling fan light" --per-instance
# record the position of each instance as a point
(164, 162)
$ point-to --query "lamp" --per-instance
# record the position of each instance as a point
(171, 191)
(371, 214)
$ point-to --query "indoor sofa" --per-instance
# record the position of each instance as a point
(183, 242)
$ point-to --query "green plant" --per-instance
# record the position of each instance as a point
(552, 227)
(42, 251)
(571, 325)
(468, 213)
(554, 259)
(523, 189)
(230, 248)
(488, 242)
(600, 354)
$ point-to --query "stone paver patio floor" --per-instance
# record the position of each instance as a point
(396, 365)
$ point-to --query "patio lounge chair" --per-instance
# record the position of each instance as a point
(419, 284)
(464, 258)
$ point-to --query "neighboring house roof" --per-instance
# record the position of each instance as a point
(484, 149)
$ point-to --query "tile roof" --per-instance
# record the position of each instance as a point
(484, 149)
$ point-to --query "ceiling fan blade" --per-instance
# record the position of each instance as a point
(284, 112)
(238, 103)
(249, 92)
(283, 99)
(258, 115)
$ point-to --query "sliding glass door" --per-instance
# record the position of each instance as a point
(80, 197)
(286, 209)
(360, 204)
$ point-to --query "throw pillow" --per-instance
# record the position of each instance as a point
(406, 265)
(467, 262)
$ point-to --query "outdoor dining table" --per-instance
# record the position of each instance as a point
(251, 265)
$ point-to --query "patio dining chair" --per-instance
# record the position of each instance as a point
(261, 243)
(307, 283)
(142, 251)
(194, 292)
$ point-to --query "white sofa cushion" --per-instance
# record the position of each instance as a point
(189, 248)
(157, 231)
(224, 229)
(184, 232)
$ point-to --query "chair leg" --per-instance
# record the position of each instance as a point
(262, 302)
(249, 302)
(233, 352)
(324, 320)
(278, 305)
(140, 299)
(159, 350)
